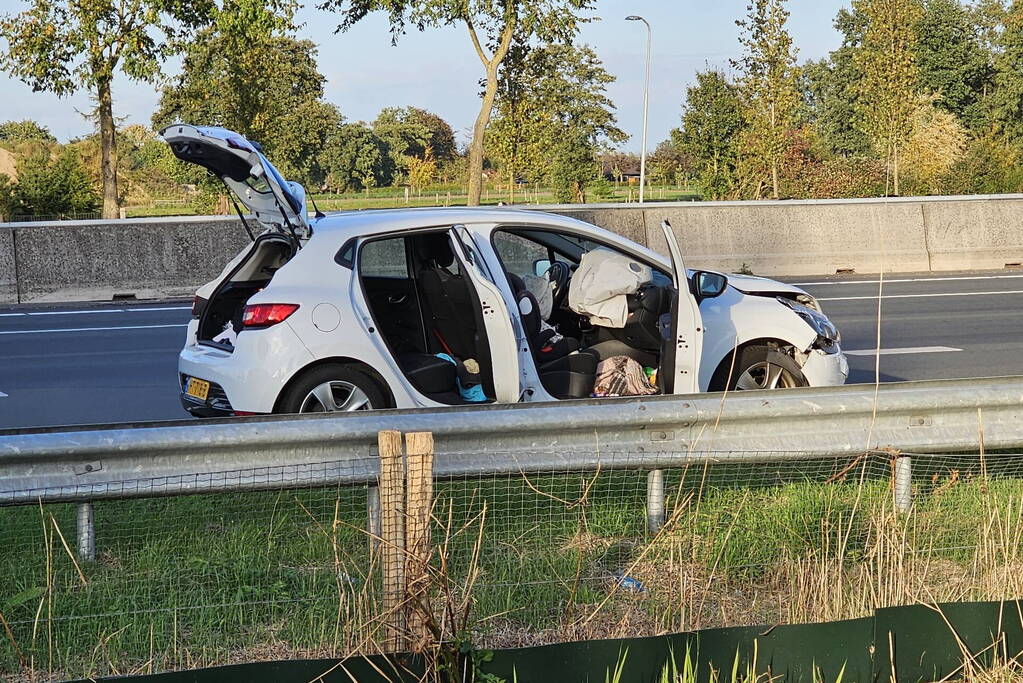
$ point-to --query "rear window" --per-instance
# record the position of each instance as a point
(384, 258)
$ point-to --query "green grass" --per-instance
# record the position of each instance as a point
(214, 578)
(440, 195)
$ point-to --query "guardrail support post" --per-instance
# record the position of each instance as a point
(654, 500)
(373, 516)
(86, 532)
(902, 484)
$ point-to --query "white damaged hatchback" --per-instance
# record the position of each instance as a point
(440, 307)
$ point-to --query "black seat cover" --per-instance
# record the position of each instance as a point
(449, 306)
(429, 374)
(544, 350)
(564, 374)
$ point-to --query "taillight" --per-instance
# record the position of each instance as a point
(265, 315)
(198, 306)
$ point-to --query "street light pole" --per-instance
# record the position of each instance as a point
(646, 103)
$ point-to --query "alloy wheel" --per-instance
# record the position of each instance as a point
(766, 375)
(335, 396)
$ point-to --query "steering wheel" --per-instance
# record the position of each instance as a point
(559, 273)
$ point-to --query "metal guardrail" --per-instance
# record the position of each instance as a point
(89, 463)
(170, 458)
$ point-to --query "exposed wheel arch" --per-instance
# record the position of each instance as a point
(339, 360)
(725, 367)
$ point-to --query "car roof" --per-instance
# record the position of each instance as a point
(341, 226)
(377, 221)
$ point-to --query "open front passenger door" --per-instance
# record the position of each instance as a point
(682, 340)
(496, 320)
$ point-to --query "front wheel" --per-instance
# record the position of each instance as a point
(332, 388)
(759, 367)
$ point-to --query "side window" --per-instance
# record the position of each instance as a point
(383, 258)
(518, 254)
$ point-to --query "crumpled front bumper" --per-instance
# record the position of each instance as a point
(826, 369)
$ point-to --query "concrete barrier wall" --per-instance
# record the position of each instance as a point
(8, 272)
(783, 238)
(100, 260)
(161, 257)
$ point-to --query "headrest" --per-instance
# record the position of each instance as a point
(435, 247)
(517, 284)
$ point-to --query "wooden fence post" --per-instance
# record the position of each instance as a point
(419, 507)
(392, 534)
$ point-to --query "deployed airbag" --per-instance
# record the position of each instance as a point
(602, 283)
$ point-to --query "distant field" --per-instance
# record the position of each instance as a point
(386, 198)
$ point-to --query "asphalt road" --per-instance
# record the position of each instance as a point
(117, 362)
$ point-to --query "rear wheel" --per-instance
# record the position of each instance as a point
(759, 367)
(330, 389)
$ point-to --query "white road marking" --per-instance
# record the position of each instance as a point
(144, 309)
(90, 329)
(158, 308)
(919, 296)
(903, 350)
(95, 310)
(908, 279)
(3, 395)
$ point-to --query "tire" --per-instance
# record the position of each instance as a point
(758, 367)
(348, 388)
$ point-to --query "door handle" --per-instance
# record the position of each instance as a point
(396, 298)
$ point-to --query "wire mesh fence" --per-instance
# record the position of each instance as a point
(514, 559)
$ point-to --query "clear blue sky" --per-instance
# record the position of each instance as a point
(438, 69)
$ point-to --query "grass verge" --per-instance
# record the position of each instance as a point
(206, 579)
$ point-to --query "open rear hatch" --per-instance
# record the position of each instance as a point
(276, 203)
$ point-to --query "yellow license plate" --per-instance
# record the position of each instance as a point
(198, 388)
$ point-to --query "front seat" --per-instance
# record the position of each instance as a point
(449, 311)
(564, 371)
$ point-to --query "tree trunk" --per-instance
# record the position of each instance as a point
(478, 131)
(108, 146)
(774, 178)
(895, 169)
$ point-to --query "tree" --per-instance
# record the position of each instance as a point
(574, 167)
(936, 143)
(552, 99)
(53, 185)
(245, 73)
(711, 121)
(767, 84)
(354, 158)
(19, 131)
(63, 46)
(518, 136)
(828, 89)
(670, 164)
(492, 25)
(951, 60)
(439, 137)
(888, 77)
(421, 171)
(6, 197)
(1007, 100)
(406, 136)
(990, 165)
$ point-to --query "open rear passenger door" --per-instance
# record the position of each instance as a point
(682, 347)
(495, 317)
